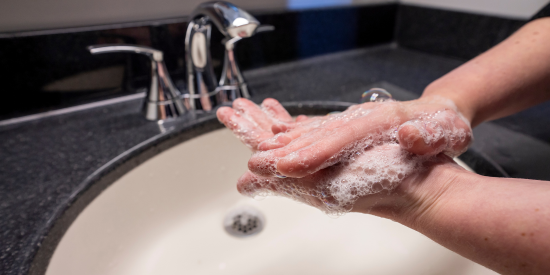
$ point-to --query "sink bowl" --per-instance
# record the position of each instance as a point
(166, 217)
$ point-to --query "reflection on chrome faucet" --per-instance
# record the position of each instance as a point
(235, 24)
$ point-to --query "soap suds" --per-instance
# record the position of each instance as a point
(371, 165)
(371, 171)
(440, 131)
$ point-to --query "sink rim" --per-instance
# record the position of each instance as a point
(182, 131)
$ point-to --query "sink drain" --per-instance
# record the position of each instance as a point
(244, 221)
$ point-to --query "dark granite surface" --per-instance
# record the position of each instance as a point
(51, 168)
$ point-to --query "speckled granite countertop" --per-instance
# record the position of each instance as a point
(51, 168)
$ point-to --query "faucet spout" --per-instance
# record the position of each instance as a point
(230, 20)
(235, 24)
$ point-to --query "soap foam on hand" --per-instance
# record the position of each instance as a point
(335, 189)
(371, 165)
(439, 130)
(253, 124)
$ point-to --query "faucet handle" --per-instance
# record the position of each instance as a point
(155, 55)
(230, 42)
(264, 28)
(163, 99)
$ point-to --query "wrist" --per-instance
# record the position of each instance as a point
(441, 93)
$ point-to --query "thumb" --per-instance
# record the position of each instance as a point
(445, 132)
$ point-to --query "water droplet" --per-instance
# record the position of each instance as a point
(375, 95)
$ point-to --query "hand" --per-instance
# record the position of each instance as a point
(336, 189)
(253, 124)
(426, 126)
(384, 180)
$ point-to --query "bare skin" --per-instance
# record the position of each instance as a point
(503, 224)
(510, 77)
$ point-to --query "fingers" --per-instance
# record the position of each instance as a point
(251, 123)
(301, 118)
(249, 184)
(276, 110)
(284, 136)
(319, 147)
(319, 154)
(243, 128)
(253, 113)
(286, 127)
(411, 138)
(230, 119)
(223, 114)
(298, 189)
(278, 141)
(279, 128)
(289, 132)
(264, 163)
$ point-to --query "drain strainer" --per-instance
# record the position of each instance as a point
(244, 221)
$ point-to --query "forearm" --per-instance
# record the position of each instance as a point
(500, 223)
(508, 78)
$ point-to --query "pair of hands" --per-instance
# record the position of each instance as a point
(297, 157)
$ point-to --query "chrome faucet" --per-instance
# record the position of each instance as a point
(205, 92)
(163, 99)
(235, 24)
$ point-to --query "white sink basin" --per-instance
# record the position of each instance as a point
(165, 217)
